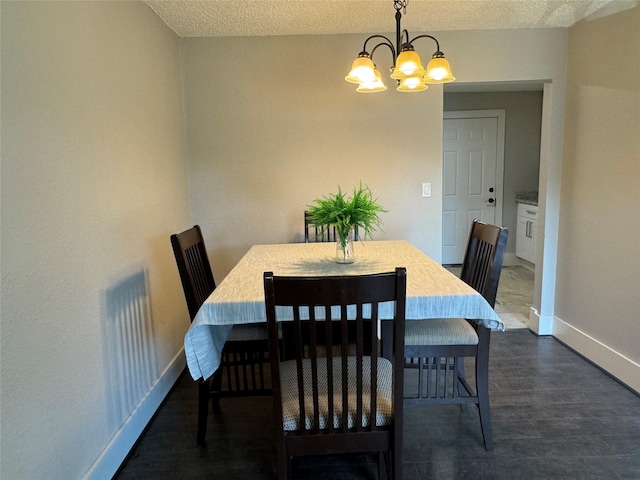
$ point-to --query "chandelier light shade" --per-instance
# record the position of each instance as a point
(438, 70)
(374, 86)
(412, 84)
(362, 70)
(408, 65)
(407, 69)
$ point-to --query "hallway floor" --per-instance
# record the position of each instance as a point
(515, 295)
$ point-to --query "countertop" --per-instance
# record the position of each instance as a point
(529, 197)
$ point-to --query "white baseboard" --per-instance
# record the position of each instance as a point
(540, 324)
(510, 260)
(116, 451)
(624, 369)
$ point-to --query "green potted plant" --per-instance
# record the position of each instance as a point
(360, 212)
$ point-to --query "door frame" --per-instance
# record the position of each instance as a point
(500, 115)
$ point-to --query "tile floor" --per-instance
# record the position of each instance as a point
(515, 295)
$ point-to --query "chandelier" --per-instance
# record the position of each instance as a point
(407, 69)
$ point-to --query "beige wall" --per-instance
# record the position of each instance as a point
(598, 288)
(266, 139)
(94, 180)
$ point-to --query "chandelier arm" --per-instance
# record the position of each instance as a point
(393, 52)
(386, 41)
(405, 36)
(426, 36)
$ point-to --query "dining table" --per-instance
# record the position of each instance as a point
(432, 291)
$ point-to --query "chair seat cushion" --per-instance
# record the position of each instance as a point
(290, 403)
(247, 332)
(440, 331)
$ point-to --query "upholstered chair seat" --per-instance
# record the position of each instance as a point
(441, 331)
(291, 405)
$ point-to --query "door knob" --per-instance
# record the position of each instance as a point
(491, 200)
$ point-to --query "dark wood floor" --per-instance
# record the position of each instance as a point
(555, 416)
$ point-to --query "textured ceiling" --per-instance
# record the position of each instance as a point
(217, 18)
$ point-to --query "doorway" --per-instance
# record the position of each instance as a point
(541, 170)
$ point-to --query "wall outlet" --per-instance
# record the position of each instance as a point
(426, 189)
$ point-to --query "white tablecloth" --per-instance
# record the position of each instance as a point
(432, 291)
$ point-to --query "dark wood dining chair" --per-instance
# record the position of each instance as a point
(337, 401)
(244, 356)
(436, 348)
(317, 233)
(322, 233)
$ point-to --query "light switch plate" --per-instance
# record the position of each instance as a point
(426, 189)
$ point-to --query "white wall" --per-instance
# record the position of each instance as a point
(598, 288)
(266, 139)
(94, 180)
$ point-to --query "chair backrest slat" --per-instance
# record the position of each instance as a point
(313, 354)
(359, 371)
(328, 331)
(299, 356)
(373, 399)
(344, 350)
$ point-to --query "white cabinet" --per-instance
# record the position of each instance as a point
(526, 232)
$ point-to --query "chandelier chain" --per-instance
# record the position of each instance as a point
(401, 5)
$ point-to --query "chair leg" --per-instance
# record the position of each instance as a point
(482, 390)
(283, 461)
(382, 469)
(458, 383)
(396, 462)
(203, 410)
(216, 388)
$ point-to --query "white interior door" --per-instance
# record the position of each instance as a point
(473, 164)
